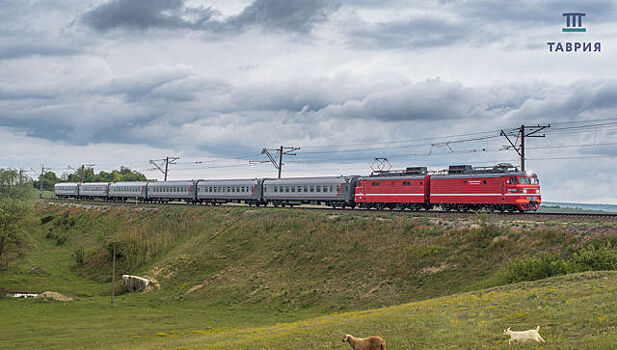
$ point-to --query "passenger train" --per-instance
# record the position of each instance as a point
(460, 187)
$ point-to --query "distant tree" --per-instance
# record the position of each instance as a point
(13, 184)
(88, 175)
(49, 180)
(15, 212)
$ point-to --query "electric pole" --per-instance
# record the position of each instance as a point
(43, 168)
(83, 171)
(167, 160)
(521, 133)
(283, 150)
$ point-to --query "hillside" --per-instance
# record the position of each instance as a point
(227, 268)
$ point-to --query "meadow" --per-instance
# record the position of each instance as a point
(238, 277)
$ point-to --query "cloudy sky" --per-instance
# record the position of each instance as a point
(424, 83)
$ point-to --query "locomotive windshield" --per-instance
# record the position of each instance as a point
(528, 180)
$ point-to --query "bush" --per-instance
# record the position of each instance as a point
(46, 219)
(541, 266)
(535, 268)
(487, 231)
(61, 240)
(594, 259)
(79, 256)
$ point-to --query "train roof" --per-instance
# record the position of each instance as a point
(171, 183)
(310, 179)
(130, 183)
(390, 177)
(229, 181)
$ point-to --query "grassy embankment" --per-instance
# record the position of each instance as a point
(236, 272)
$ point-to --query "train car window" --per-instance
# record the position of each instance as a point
(534, 181)
(375, 183)
(312, 188)
(286, 188)
(292, 189)
(331, 188)
(465, 182)
(317, 188)
(484, 182)
(513, 181)
(420, 182)
(275, 189)
(299, 188)
(306, 189)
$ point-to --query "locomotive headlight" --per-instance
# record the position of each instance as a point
(525, 191)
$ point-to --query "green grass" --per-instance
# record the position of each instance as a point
(575, 312)
(238, 272)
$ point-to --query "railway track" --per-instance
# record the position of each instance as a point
(525, 215)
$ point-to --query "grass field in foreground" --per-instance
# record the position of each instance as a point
(239, 277)
(574, 312)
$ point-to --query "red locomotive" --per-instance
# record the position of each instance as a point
(460, 187)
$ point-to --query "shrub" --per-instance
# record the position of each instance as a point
(531, 268)
(79, 256)
(594, 259)
(46, 219)
(534, 268)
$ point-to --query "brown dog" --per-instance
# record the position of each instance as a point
(370, 343)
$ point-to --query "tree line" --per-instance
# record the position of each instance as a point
(50, 178)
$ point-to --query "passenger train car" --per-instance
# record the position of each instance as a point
(121, 191)
(169, 191)
(66, 190)
(93, 190)
(335, 191)
(461, 187)
(217, 192)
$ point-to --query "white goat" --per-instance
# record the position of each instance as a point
(370, 343)
(524, 336)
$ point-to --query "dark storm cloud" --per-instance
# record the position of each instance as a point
(283, 14)
(413, 33)
(430, 100)
(541, 12)
(266, 14)
(11, 49)
(478, 22)
(144, 14)
(584, 98)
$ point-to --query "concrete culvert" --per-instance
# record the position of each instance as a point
(134, 283)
